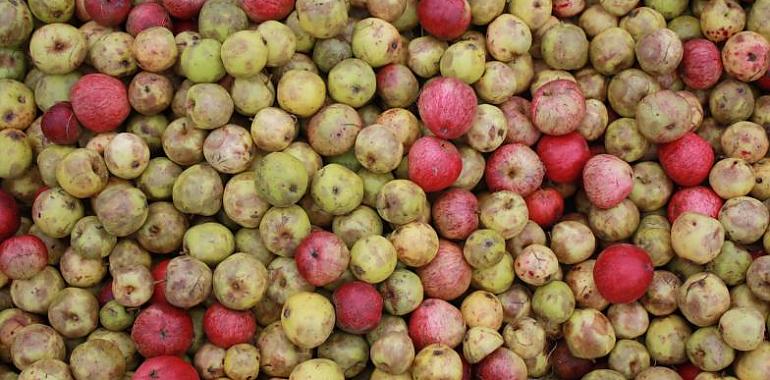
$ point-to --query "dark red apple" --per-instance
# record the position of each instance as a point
(688, 371)
(10, 217)
(321, 258)
(22, 257)
(358, 307)
(448, 275)
(434, 163)
(226, 327)
(699, 199)
(159, 276)
(162, 329)
(623, 272)
(184, 26)
(455, 214)
(165, 368)
(108, 12)
(545, 206)
(447, 106)
(687, 160)
(563, 156)
(183, 9)
(701, 65)
(145, 16)
(502, 364)
(105, 293)
(100, 102)
(444, 19)
(515, 167)
(764, 82)
(566, 366)
(60, 125)
(263, 10)
(436, 321)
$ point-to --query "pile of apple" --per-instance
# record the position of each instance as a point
(384, 189)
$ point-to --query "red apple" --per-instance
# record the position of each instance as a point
(165, 368)
(607, 180)
(623, 272)
(455, 214)
(444, 19)
(10, 217)
(563, 156)
(358, 307)
(145, 16)
(100, 102)
(688, 371)
(105, 293)
(448, 275)
(701, 65)
(699, 199)
(321, 258)
(226, 327)
(447, 106)
(764, 82)
(545, 206)
(687, 160)
(558, 107)
(434, 163)
(436, 321)
(23, 256)
(502, 364)
(566, 366)
(514, 167)
(183, 9)
(60, 125)
(162, 329)
(108, 12)
(263, 10)
(159, 276)
(184, 26)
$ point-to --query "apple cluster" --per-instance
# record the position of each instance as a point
(384, 189)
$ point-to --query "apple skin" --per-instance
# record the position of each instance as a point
(358, 307)
(701, 65)
(264, 10)
(108, 12)
(444, 19)
(159, 275)
(455, 214)
(623, 272)
(447, 106)
(183, 9)
(699, 199)
(166, 368)
(434, 163)
(23, 256)
(448, 275)
(545, 206)
(225, 327)
(100, 102)
(162, 329)
(563, 156)
(687, 160)
(501, 364)
(145, 16)
(10, 216)
(436, 321)
(607, 180)
(515, 167)
(321, 258)
(568, 367)
(59, 124)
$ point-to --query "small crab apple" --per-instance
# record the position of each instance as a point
(563, 156)
(358, 307)
(108, 12)
(100, 102)
(545, 206)
(444, 19)
(321, 258)
(162, 329)
(434, 163)
(447, 105)
(59, 124)
(225, 327)
(10, 216)
(687, 160)
(700, 199)
(623, 272)
(165, 368)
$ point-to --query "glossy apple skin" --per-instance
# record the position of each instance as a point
(60, 125)
(623, 272)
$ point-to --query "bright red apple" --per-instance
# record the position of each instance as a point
(321, 258)
(434, 163)
(447, 106)
(162, 329)
(623, 272)
(358, 307)
(100, 102)
(444, 19)
(226, 327)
